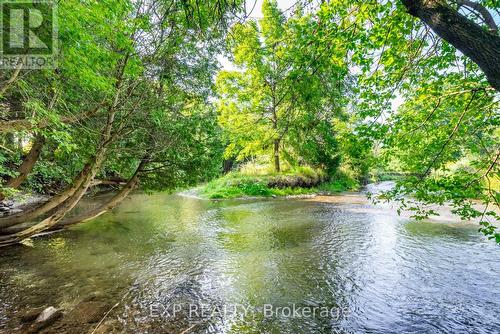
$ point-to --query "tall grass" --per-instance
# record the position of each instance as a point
(256, 180)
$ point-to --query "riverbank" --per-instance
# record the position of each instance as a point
(298, 182)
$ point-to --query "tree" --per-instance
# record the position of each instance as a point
(480, 44)
(444, 135)
(124, 106)
(284, 91)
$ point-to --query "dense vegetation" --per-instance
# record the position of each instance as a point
(252, 180)
(139, 98)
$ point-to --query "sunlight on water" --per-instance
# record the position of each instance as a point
(373, 270)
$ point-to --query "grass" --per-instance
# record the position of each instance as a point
(257, 181)
(339, 183)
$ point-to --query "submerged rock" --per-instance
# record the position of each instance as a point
(43, 320)
(31, 315)
(88, 312)
(47, 314)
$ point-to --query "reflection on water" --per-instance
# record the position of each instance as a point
(380, 273)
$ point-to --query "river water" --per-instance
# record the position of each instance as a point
(174, 264)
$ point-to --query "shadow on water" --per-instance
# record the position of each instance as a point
(458, 231)
(373, 271)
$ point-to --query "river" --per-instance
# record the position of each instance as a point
(175, 264)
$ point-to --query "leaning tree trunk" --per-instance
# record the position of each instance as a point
(110, 204)
(26, 166)
(31, 158)
(87, 216)
(480, 45)
(33, 213)
(13, 77)
(106, 139)
(78, 190)
(59, 212)
(80, 181)
(84, 181)
(46, 223)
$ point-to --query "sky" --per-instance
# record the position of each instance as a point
(256, 13)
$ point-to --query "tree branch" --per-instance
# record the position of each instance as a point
(487, 17)
(450, 137)
(480, 45)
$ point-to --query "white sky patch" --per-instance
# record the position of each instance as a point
(257, 7)
(225, 63)
(398, 101)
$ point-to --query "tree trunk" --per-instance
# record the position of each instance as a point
(73, 195)
(87, 216)
(33, 213)
(27, 165)
(92, 214)
(79, 182)
(60, 211)
(480, 45)
(276, 155)
(114, 201)
(68, 199)
(46, 223)
(227, 165)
